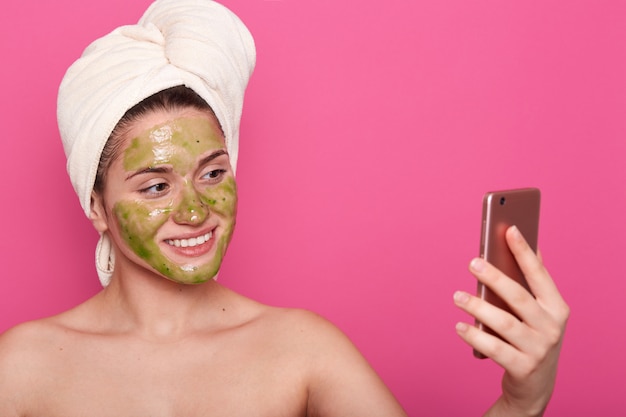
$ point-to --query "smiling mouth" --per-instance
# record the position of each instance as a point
(190, 243)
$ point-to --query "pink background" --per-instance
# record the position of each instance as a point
(370, 132)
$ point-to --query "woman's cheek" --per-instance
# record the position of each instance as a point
(222, 199)
(139, 224)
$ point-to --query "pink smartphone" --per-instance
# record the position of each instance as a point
(501, 209)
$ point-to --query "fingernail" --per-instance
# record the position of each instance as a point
(477, 264)
(461, 327)
(461, 297)
(516, 233)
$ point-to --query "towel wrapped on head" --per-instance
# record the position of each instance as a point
(196, 43)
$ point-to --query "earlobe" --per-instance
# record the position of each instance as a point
(97, 215)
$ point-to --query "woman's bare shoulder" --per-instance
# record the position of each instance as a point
(303, 330)
(26, 339)
(26, 352)
(330, 362)
(32, 339)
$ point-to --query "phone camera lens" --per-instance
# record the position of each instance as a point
(502, 201)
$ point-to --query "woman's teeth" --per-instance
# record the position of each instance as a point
(190, 243)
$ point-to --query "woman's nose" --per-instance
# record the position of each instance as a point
(191, 209)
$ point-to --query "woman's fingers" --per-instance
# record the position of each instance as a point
(521, 302)
(515, 333)
(539, 281)
(537, 323)
(499, 351)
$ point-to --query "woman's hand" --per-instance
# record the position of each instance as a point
(530, 350)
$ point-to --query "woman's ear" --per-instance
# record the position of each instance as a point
(98, 213)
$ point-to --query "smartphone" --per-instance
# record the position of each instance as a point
(501, 209)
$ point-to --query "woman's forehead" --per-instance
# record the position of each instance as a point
(174, 139)
(154, 119)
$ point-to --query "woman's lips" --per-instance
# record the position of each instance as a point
(190, 243)
(193, 246)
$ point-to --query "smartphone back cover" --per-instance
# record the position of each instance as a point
(502, 209)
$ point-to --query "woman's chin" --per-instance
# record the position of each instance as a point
(191, 274)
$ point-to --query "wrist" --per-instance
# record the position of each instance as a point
(504, 408)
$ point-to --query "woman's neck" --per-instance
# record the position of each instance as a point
(154, 307)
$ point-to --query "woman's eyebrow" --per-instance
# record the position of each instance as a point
(212, 156)
(149, 170)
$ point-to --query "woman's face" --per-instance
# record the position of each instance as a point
(170, 198)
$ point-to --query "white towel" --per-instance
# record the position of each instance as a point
(196, 43)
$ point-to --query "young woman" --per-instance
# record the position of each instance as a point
(149, 117)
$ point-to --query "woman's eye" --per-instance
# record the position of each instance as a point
(214, 174)
(156, 189)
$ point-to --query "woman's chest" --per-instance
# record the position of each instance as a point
(194, 379)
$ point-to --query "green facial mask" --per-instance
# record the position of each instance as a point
(180, 145)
